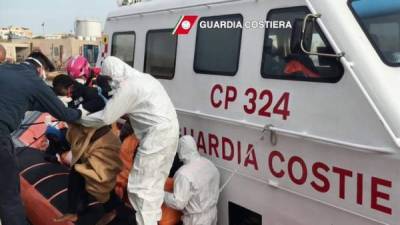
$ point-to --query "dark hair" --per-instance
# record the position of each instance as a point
(60, 82)
(46, 63)
(104, 83)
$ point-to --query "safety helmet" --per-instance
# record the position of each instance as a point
(78, 67)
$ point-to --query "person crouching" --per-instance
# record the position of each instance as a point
(94, 169)
(95, 161)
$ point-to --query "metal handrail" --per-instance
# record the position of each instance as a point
(303, 30)
(349, 66)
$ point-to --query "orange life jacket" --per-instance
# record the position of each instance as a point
(295, 66)
(127, 152)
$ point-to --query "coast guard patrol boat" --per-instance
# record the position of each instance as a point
(296, 102)
(303, 121)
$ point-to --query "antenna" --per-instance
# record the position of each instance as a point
(43, 24)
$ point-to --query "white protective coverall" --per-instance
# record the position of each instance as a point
(154, 120)
(196, 186)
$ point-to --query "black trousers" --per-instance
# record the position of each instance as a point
(79, 198)
(11, 209)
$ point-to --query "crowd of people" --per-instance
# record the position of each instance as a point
(96, 100)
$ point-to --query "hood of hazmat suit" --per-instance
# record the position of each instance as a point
(136, 94)
(196, 186)
(154, 121)
(187, 149)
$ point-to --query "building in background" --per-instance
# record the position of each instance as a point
(4, 33)
(59, 47)
(14, 32)
(59, 50)
(87, 29)
(53, 36)
(16, 51)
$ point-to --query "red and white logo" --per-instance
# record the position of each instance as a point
(184, 25)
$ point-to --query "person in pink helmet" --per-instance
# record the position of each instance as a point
(78, 67)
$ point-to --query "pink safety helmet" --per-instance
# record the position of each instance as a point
(78, 67)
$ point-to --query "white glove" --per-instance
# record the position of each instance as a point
(92, 120)
(65, 100)
(84, 112)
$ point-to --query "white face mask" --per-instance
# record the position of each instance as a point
(80, 80)
(43, 75)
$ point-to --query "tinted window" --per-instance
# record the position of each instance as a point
(123, 46)
(381, 21)
(91, 52)
(239, 215)
(160, 53)
(283, 59)
(218, 49)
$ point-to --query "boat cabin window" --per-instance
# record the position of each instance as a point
(381, 22)
(239, 215)
(217, 46)
(123, 46)
(283, 57)
(160, 55)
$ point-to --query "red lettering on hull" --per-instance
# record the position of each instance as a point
(320, 180)
(316, 168)
(376, 194)
(317, 175)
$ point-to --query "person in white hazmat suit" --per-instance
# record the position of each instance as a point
(196, 186)
(153, 117)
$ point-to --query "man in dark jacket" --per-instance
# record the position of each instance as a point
(22, 89)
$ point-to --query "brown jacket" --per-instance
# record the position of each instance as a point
(98, 154)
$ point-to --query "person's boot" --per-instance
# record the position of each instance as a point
(107, 218)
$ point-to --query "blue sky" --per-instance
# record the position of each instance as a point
(58, 15)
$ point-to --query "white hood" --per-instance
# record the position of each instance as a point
(117, 69)
(187, 149)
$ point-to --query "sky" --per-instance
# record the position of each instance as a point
(57, 15)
